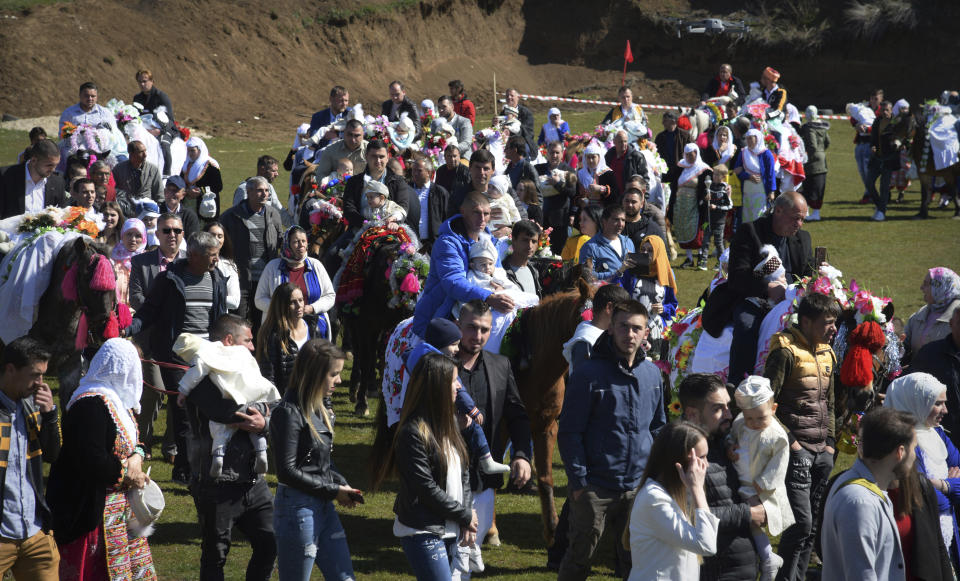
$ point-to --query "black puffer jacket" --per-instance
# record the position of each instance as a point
(422, 502)
(736, 558)
(303, 462)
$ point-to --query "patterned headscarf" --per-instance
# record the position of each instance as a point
(944, 286)
(286, 252)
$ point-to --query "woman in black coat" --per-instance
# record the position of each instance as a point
(282, 335)
(301, 429)
(433, 505)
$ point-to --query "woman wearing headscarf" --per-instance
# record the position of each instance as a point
(721, 149)
(133, 241)
(656, 289)
(690, 205)
(293, 265)
(592, 167)
(100, 461)
(588, 226)
(941, 293)
(923, 396)
(556, 129)
(204, 182)
(757, 169)
(815, 134)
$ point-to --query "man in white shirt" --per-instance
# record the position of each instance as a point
(87, 111)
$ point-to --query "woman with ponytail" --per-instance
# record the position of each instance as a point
(306, 525)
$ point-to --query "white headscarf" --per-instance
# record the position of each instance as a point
(197, 168)
(120, 252)
(729, 150)
(900, 105)
(691, 170)
(116, 375)
(751, 155)
(915, 394)
(584, 176)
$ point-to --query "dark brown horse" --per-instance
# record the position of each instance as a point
(928, 171)
(540, 368)
(59, 317)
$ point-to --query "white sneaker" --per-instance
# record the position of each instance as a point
(814, 216)
(769, 568)
(878, 216)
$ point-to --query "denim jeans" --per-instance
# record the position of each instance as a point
(877, 170)
(806, 480)
(747, 318)
(475, 440)
(862, 155)
(309, 532)
(430, 557)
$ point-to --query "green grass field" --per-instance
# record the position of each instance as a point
(889, 258)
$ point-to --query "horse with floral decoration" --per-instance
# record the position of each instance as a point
(936, 151)
(377, 285)
(865, 335)
(58, 286)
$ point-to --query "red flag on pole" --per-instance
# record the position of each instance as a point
(627, 58)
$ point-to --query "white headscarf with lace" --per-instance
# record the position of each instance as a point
(116, 375)
(197, 168)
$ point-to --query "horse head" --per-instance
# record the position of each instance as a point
(89, 283)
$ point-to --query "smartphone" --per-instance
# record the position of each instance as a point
(356, 497)
(820, 255)
(641, 262)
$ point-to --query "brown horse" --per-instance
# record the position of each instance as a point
(540, 368)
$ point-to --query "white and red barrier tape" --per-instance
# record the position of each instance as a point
(612, 103)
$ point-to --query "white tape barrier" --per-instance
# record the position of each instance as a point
(644, 105)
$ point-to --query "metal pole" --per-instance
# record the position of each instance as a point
(494, 93)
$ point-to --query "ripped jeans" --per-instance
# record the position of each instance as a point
(308, 531)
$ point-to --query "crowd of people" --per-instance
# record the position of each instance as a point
(232, 315)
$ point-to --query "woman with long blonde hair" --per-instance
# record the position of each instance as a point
(433, 505)
(671, 526)
(301, 428)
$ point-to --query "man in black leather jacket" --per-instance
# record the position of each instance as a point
(239, 496)
(706, 402)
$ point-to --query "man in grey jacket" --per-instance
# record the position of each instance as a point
(461, 125)
(860, 536)
(138, 177)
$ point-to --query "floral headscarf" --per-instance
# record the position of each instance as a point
(120, 254)
(286, 252)
(944, 286)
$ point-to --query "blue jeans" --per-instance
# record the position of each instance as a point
(877, 170)
(308, 531)
(475, 440)
(862, 155)
(747, 318)
(431, 557)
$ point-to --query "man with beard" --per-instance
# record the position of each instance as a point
(860, 535)
(558, 188)
(706, 403)
(800, 369)
(641, 220)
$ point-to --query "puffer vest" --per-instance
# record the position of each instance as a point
(803, 398)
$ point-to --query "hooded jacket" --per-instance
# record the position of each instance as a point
(611, 413)
(447, 282)
(816, 140)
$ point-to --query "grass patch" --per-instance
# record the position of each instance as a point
(889, 257)
(25, 5)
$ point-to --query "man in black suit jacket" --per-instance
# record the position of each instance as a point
(144, 269)
(400, 192)
(488, 378)
(44, 157)
(747, 297)
(173, 193)
(525, 117)
(558, 186)
(452, 175)
(432, 199)
(399, 103)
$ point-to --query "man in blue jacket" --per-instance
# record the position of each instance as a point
(612, 410)
(609, 249)
(447, 282)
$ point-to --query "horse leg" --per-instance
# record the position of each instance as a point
(544, 440)
(926, 193)
(493, 535)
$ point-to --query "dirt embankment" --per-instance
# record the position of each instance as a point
(225, 63)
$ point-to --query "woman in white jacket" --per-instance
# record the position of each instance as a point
(671, 526)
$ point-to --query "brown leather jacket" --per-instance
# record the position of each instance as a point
(802, 381)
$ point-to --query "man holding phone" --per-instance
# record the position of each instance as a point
(29, 416)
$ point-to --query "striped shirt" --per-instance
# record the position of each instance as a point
(198, 295)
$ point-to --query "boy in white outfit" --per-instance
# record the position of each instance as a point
(503, 210)
(380, 208)
(762, 455)
(485, 274)
(237, 375)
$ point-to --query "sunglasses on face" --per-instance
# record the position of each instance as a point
(176, 231)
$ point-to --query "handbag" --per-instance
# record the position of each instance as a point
(207, 207)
